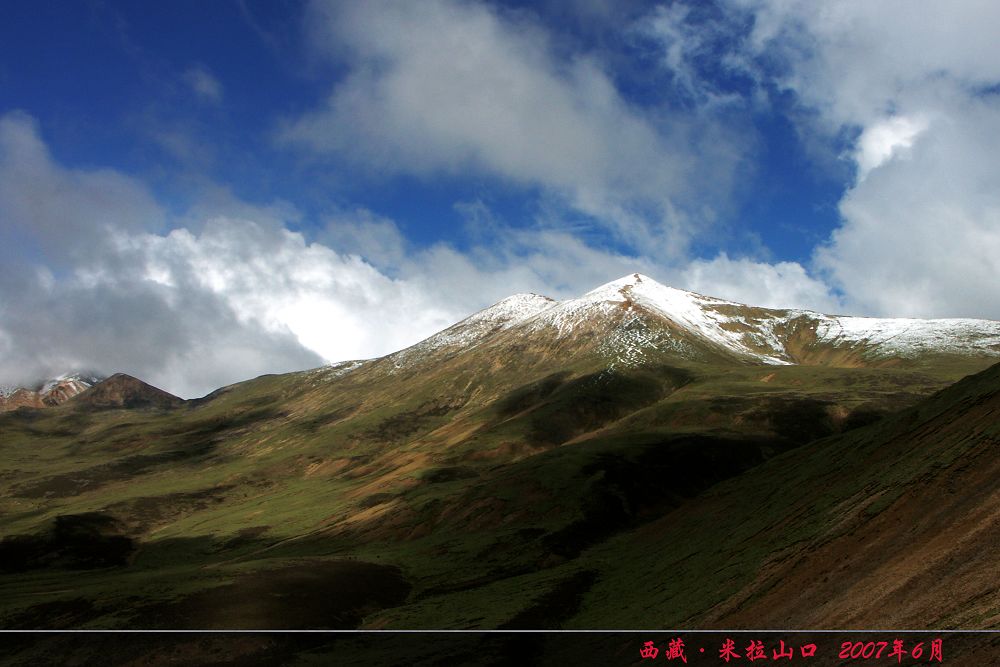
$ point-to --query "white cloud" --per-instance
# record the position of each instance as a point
(337, 306)
(883, 140)
(855, 60)
(921, 229)
(779, 285)
(220, 300)
(363, 233)
(921, 236)
(445, 87)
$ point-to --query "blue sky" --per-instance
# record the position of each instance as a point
(315, 181)
(117, 86)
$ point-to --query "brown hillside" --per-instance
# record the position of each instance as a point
(124, 391)
(896, 525)
(930, 558)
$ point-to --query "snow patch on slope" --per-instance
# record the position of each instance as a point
(335, 370)
(501, 315)
(628, 344)
(906, 337)
(80, 381)
(477, 327)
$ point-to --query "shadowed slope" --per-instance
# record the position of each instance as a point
(893, 525)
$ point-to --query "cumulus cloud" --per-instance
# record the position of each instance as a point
(446, 88)
(366, 234)
(338, 306)
(915, 82)
(921, 236)
(880, 141)
(771, 285)
(206, 304)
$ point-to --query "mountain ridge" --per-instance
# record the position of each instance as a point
(634, 313)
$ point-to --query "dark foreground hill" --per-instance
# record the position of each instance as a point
(896, 525)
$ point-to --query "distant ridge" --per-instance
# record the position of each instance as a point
(47, 393)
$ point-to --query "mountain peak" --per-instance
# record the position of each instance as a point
(681, 306)
(629, 281)
(639, 283)
(124, 391)
(633, 279)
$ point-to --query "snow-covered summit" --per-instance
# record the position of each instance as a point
(630, 316)
(639, 289)
(761, 333)
(688, 312)
(680, 305)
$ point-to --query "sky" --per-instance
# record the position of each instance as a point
(199, 193)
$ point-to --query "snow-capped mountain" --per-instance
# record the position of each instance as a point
(628, 319)
(47, 393)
